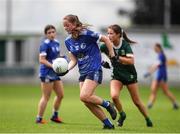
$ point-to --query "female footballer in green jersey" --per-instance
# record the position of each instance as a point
(124, 72)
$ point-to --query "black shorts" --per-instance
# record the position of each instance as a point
(125, 79)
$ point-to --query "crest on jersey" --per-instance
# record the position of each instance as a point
(123, 52)
(83, 45)
(131, 76)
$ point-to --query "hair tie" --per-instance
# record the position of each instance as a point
(122, 33)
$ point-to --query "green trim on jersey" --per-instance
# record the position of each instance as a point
(125, 73)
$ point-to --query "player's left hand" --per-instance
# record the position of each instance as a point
(105, 64)
(115, 61)
(147, 75)
(62, 74)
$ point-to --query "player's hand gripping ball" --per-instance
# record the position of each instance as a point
(60, 66)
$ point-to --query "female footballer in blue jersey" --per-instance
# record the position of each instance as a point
(84, 51)
(124, 72)
(49, 50)
(160, 78)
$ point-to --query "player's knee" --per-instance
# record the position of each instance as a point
(165, 92)
(46, 98)
(114, 97)
(137, 103)
(84, 98)
(87, 104)
(153, 92)
(60, 97)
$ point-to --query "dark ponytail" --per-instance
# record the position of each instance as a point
(118, 30)
(127, 39)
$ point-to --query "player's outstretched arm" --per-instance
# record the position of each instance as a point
(151, 70)
(73, 61)
(42, 60)
(128, 60)
(109, 45)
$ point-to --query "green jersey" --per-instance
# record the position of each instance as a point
(123, 72)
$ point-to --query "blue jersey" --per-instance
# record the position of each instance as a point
(161, 73)
(49, 49)
(86, 50)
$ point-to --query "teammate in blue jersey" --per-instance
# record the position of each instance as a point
(49, 50)
(160, 79)
(84, 51)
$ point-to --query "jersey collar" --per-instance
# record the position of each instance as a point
(120, 44)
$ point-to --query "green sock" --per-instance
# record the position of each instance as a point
(122, 114)
(147, 119)
(148, 122)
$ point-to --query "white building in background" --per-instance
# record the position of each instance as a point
(30, 16)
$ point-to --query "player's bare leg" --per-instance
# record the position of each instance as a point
(169, 94)
(116, 86)
(46, 89)
(59, 91)
(153, 94)
(92, 101)
(133, 90)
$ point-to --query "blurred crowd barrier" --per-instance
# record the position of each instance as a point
(19, 57)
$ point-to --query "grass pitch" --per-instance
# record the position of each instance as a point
(18, 109)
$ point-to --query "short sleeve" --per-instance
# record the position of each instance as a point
(43, 49)
(94, 35)
(104, 49)
(129, 52)
(161, 59)
(67, 45)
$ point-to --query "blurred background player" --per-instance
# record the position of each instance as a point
(49, 50)
(124, 72)
(84, 51)
(160, 79)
